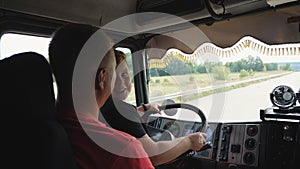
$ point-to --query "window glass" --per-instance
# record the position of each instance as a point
(230, 84)
(12, 43)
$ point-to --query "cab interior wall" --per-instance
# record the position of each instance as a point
(267, 24)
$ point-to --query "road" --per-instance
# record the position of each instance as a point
(208, 88)
(241, 104)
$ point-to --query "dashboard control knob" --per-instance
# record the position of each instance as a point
(252, 130)
(250, 144)
(249, 158)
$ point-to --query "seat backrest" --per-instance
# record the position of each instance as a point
(31, 137)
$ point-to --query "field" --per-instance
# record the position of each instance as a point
(160, 86)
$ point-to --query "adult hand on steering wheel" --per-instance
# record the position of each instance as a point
(200, 142)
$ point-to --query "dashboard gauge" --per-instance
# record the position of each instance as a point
(283, 97)
(173, 127)
(252, 130)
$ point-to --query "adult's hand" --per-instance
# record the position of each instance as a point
(197, 140)
(149, 108)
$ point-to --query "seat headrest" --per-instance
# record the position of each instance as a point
(27, 87)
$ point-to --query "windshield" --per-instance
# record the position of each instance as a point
(227, 84)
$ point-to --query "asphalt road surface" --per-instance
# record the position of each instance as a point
(241, 104)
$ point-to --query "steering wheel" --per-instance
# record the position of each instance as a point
(167, 135)
(200, 113)
(202, 128)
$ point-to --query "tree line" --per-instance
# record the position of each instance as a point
(244, 66)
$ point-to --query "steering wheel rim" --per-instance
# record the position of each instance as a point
(202, 128)
(192, 108)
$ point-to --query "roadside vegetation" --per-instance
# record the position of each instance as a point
(178, 76)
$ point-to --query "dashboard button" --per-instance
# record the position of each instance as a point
(249, 158)
(250, 144)
(252, 130)
(235, 148)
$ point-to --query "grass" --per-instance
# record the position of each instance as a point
(179, 83)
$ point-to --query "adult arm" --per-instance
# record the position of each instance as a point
(165, 151)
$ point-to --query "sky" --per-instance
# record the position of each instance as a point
(16, 43)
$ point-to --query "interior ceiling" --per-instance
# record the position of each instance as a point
(270, 27)
(95, 12)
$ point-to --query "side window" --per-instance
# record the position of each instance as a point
(12, 43)
(127, 52)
